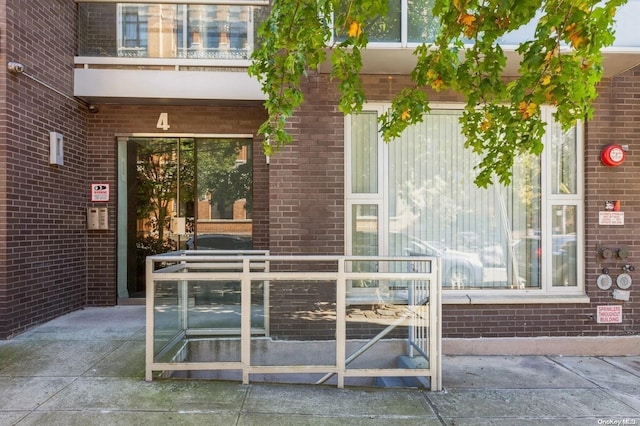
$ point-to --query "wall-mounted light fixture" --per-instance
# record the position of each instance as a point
(15, 67)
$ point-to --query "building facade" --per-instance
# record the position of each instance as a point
(144, 100)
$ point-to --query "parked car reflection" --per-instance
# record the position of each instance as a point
(219, 242)
(492, 255)
(528, 254)
(459, 269)
(219, 292)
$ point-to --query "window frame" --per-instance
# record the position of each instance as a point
(141, 26)
(404, 42)
(547, 292)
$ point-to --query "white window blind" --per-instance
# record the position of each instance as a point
(520, 237)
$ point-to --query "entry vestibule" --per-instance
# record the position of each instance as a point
(180, 192)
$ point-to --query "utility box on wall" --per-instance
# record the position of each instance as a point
(97, 218)
(56, 149)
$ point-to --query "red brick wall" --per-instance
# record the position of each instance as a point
(113, 120)
(6, 323)
(307, 211)
(50, 264)
(97, 29)
(617, 120)
(307, 179)
(42, 207)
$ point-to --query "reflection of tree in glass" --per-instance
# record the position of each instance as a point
(422, 26)
(224, 174)
(156, 185)
(186, 178)
(526, 172)
(385, 28)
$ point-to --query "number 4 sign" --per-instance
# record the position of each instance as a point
(163, 121)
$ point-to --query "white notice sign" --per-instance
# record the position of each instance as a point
(611, 218)
(611, 314)
(99, 192)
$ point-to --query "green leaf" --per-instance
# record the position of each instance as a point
(463, 56)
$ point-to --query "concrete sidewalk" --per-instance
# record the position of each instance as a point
(87, 368)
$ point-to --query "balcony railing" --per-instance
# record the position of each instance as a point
(138, 50)
(212, 31)
(242, 315)
(152, 30)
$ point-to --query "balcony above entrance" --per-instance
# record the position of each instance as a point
(167, 52)
(193, 52)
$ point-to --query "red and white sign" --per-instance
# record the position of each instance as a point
(99, 192)
(609, 314)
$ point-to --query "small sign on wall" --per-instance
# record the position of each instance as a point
(609, 314)
(611, 218)
(99, 192)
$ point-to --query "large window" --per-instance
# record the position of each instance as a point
(416, 196)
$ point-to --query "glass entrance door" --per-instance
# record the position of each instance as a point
(180, 193)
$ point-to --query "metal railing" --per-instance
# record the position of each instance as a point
(178, 315)
(169, 30)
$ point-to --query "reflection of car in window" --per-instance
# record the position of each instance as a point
(492, 255)
(228, 290)
(468, 240)
(459, 269)
(219, 242)
(528, 253)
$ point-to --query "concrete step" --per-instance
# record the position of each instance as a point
(391, 382)
(414, 363)
(404, 361)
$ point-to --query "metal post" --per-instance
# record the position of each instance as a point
(150, 311)
(245, 319)
(341, 322)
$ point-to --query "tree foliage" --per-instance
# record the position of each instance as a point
(560, 66)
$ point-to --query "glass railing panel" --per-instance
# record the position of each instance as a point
(625, 32)
(138, 30)
(422, 26)
(625, 28)
(219, 31)
(214, 307)
(167, 308)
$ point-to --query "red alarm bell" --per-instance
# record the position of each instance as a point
(612, 155)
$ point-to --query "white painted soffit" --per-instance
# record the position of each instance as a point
(96, 85)
(380, 60)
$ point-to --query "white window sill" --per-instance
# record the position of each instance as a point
(473, 298)
(461, 298)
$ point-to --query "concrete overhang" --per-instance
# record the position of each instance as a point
(381, 60)
(100, 86)
(623, 55)
(129, 86)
